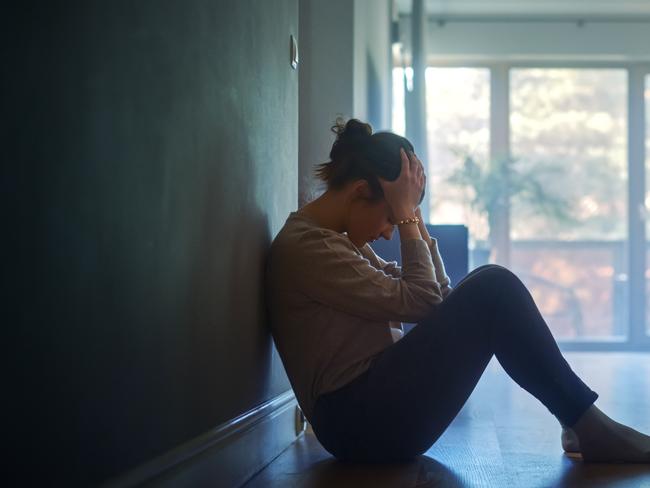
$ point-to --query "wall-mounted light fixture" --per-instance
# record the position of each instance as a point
(293, 52)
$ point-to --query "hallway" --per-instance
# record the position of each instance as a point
(502, 437)
(153, 151)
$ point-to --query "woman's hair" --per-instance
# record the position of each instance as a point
(357, 153)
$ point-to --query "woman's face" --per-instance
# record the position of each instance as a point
(368, 221)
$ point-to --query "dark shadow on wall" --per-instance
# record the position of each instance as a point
(138, 223)
(226, 290)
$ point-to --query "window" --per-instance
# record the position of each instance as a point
(566, 138)
(458, 125)
(569, 134)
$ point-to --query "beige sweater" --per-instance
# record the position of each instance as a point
(332, 305)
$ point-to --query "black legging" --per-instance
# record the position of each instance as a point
(414, 389)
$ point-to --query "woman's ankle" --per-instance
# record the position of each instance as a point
(591, 420)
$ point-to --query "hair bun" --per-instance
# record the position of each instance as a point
(352, 136)
(352, 129)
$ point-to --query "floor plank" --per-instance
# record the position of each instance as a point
(503, 437)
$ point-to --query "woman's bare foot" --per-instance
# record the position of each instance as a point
(570, 441)
(604, 440)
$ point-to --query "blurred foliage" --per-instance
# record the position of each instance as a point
(568, 129)
(497, 182)
(576, 119)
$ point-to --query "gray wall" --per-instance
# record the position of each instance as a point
(344, 71)
(144, 144)
(326, 82)
(372, 63)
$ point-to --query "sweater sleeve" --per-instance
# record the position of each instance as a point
(393, 269)
(389, 267)
(439, 266)
(328, 268)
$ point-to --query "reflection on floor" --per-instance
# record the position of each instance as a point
(503, 437)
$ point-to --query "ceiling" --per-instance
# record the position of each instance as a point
(533, 9)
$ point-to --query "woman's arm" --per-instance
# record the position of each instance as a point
(393, 269)
(441, 274)
(327, 267)
(422, 227)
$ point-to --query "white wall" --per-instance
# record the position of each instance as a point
(606, 41)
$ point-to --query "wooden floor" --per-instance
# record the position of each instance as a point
(503, 437)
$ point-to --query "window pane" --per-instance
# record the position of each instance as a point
(458, 124)
(398, 114)
(568, 219)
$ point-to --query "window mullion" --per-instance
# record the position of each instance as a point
(500, 146)
(636, 196)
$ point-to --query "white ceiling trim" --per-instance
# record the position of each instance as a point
(552, 9)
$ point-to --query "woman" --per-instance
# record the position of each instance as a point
(333, 304)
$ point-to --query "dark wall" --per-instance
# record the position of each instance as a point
(149, 157)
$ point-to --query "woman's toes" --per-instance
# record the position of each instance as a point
(615, 449)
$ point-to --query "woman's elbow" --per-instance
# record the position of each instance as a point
(446, 290)
(423, 302)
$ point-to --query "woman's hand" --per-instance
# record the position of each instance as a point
(422, 227)
(403, 194)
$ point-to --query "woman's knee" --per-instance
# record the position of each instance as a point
(485, 267)
(480, 270)
(474, 272)
(494, 269)
(498, 272)
(493, 274)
